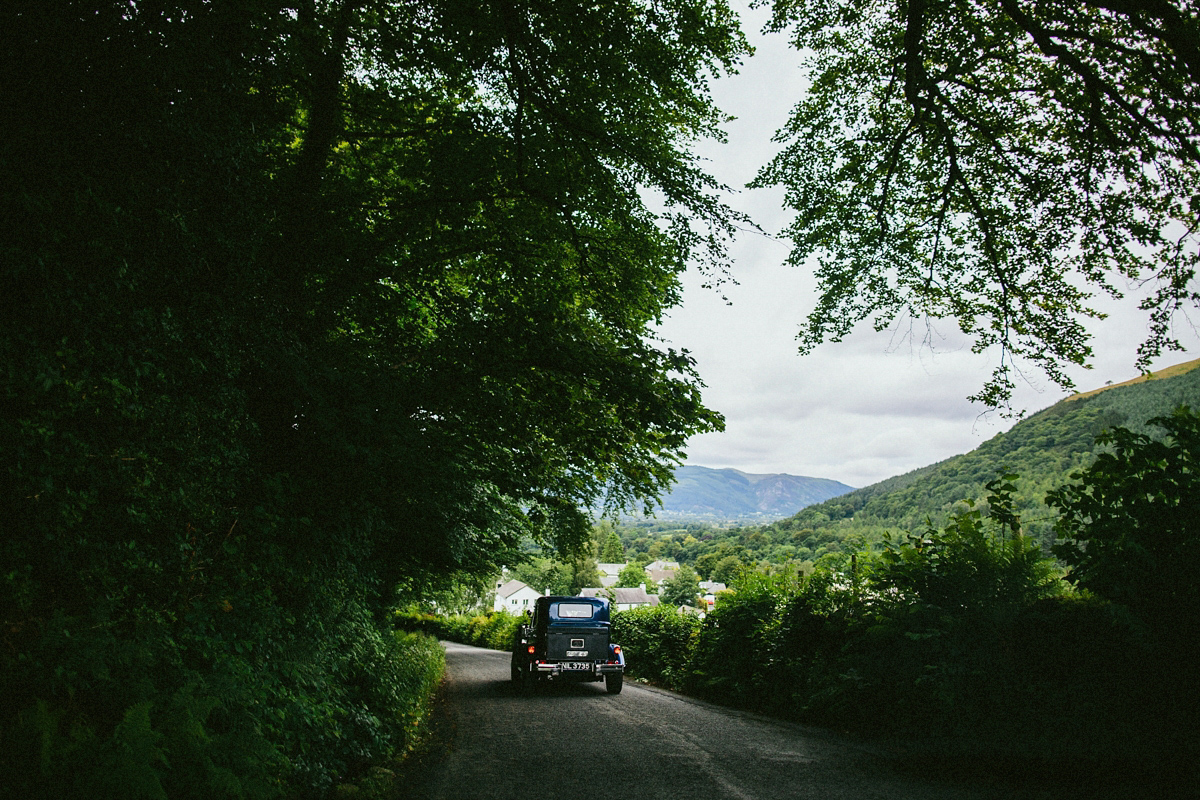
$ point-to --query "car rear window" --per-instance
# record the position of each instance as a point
(575, 610)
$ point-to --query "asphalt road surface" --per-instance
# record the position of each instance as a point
(576, 741)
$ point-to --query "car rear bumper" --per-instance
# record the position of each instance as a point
(557, 669)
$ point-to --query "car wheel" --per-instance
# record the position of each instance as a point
(613, 682)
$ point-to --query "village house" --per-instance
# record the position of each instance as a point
(514, 597)
(609, 573)
(660, 570)
(709, 590)
(622, 598)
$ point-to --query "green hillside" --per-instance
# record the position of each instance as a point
(1043, 450)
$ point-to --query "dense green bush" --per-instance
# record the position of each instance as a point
(966, 633)
(419, 664)
(419, 622)
(657, 642)
(737, 646)
(918, 632)
(1130, 525)
(245, 727)
(495, 629)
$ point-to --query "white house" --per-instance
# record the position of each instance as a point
(515, 597)
(659, 571)
(623, 598)
(660, 576)
(709, 591)
(609, 573)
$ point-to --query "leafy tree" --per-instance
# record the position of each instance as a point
(451, 594)
(996, 164)
(632, 576)
(582, 573)
(545, 575)
(681, 589)
(301, 302)
(613, 551)
(969, 564)
(727, 569)
(706, 562)
(1129, 523)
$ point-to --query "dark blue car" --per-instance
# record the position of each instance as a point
(567, 639)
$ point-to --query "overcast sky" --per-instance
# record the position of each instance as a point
(873, 406)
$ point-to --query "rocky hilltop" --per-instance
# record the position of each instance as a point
(732, 494)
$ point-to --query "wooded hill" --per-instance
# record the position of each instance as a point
(1042, 450)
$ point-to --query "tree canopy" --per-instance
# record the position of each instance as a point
(1128, 524)
(612, 552)
(302, 300)
(681, 589)
(996, 163)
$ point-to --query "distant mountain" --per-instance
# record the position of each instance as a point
(731, 494)
(1043, 450)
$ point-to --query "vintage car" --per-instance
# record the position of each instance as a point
(567, 639)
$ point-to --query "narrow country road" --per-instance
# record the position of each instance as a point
(576, 741)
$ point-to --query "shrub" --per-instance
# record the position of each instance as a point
(494, 629)
(419, 665)
(658, 643)
(245, 729)
(1129, 526)
(970, 564)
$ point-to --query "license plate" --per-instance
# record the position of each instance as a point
(577, 653)
(578, 666)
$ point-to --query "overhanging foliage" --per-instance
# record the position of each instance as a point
(994, 163)
(300, 299)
